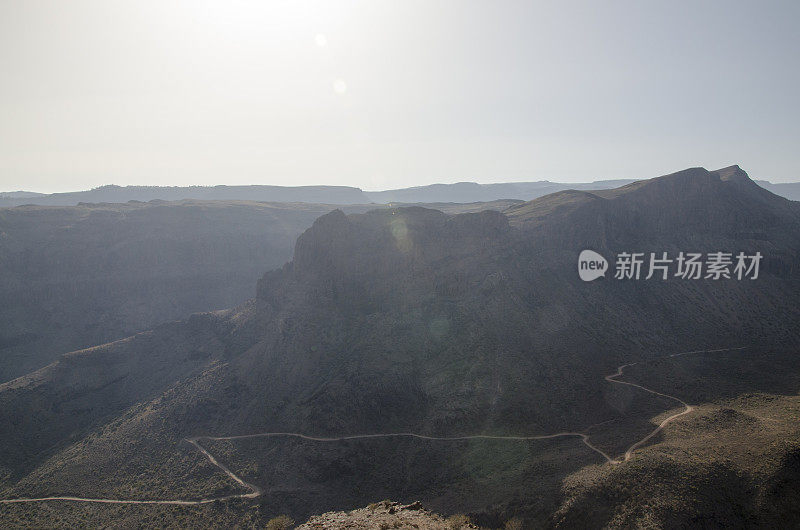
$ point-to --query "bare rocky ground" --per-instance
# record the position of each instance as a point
(387, 514)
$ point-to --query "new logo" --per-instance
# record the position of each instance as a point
(591, 265)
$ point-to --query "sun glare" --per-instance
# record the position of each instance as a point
(339, 86)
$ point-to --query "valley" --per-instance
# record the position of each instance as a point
(451, 358)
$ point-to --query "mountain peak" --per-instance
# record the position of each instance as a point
(686, 203)
(733, 171)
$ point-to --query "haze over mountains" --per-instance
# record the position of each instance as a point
(76, 276)
(442, 324)
(462, 192)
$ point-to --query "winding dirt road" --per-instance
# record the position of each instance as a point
(686, 407)
(582, 435)
(255, 491)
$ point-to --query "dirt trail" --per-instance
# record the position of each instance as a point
(686, 407)
(255, 491)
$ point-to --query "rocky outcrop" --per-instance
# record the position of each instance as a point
(387, 514)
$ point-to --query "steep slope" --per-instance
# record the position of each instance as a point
(59, 404)
(411, 320)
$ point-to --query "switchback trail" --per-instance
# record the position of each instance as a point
(255, 491)
(686, 407)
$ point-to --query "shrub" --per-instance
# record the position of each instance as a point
(282, 522)
(454, 522)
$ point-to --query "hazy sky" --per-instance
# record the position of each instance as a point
(381, 94)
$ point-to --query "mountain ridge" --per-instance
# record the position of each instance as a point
(460, 192)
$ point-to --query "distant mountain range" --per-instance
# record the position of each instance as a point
(19, 194)
(461, 192)
(790, 190)
(412, 320)
(121, 194)
(464, 192)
